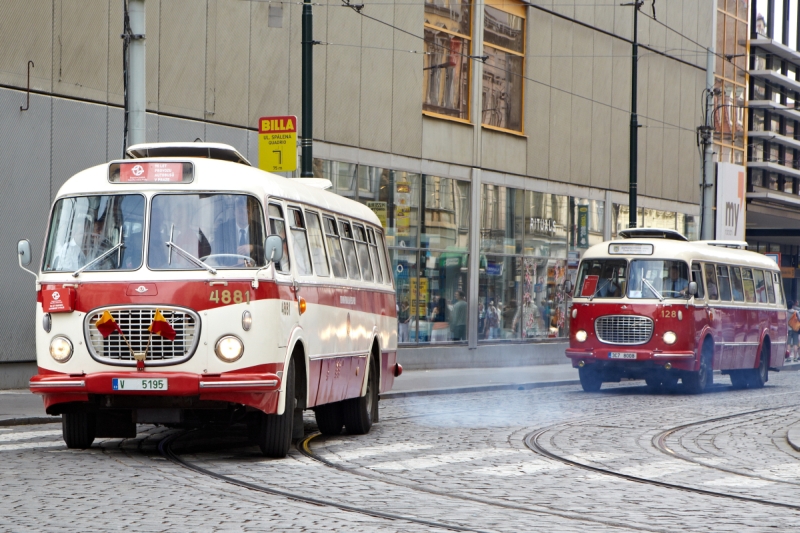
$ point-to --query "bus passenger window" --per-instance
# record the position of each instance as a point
(761, 289)
(300, 242)
(711, 283)
(335, 247)
(770, 289)
(317, 245)
(363, 252)
(349, 249)
(748, 285)
(776, 280)
(277, 226)
(387, 276)
(736, 284)
(697, 277)
(724, 283)
(373, 253)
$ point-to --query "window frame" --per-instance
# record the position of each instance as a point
(342, 238)
(292, 229)
(335, 234)
(374, 255)
(321, 226)
(270, 218)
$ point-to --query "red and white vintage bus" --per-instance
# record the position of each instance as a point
(654, 306)
(184, 286)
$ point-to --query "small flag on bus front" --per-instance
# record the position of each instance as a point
(106, 325)
(160, 326)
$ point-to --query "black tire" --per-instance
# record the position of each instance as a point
(757, 377)
(359, 413)
(670, 383)
(591, 380)
(698, 382)
(275, 435)
(330, 418)
(78, 429)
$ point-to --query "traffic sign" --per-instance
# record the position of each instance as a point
(277, 143)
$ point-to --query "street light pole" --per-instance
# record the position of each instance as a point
(634, 134)
(306, 161)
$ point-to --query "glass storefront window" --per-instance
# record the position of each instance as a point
(502, 219)
(545, 228)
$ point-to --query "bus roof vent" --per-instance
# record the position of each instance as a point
(741, 245)
(221, 151)
(317, 183)
(652, 233)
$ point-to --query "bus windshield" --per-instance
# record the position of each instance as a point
(602, 278)
(95, 233)
(196, 231)
(655, 278)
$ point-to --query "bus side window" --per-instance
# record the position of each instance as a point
(387, 275)
(761, 289)
(300, 242)
(711, 283)
(317, 244)
(697, 277)
(776, 280)
(373, 253)
(724, 283)
(363, 251)
(770, 288)
(736, 284)
(349, 249)
(277, 226)
(335, 247)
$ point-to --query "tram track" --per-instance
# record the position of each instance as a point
(532, 441)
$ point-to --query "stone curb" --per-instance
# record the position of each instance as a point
(29, 420)
(793, 437)
(477, 388)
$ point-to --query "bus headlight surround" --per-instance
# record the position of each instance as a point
(670, 337)
(580, 335)
(247, 320)
(229, 348)
(60, 349)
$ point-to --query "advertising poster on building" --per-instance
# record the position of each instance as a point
(379, 208)
(583, 226)
(402, 210)
(422, 305)
(730, 202)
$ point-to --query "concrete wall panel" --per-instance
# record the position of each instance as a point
(504, 152)
(689, 178)
(228, 77)
(268, 72)
(180, 130)
(182, 59)
(601, 146)
(560, 135)
(537, 126)
(540, 47)
(407, 120)
(561, 67)
(236, 137)
(152, 45)
(79, 139)
(343, 83)
(81, 56)
(621, 75)
(443, 140)
(602, 68)
(672, 164)
(604, 17)
(620, 150)
(650, 181)
(115, 78)
(581, 141)
(375, 115)
(583, 60)
(25, 35)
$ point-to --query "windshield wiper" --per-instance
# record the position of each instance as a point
(97, 259)
(190, 257)
(650, 286)
(598, 289)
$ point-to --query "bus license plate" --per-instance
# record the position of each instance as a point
(621, 355)
(125, 384)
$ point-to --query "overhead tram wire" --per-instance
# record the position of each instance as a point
(359, 10)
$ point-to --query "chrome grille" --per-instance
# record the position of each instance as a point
(623, 329)
(134, 321)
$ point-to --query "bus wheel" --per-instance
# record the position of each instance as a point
(757, 377)
(359, 413)
(698, 382)
(329, 418)
(78, 429)
(275, 435)
(591, 381)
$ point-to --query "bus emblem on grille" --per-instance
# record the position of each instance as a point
(141, 288)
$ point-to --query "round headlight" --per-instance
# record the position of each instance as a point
(61, 349)
(670, 337)
(229, 348)
(580, 335)
(247, 320)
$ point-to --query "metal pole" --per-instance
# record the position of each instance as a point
(137, 122)
(306, 161)
(634, 136)
(709, 178)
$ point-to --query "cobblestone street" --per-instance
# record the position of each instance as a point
(554, 459)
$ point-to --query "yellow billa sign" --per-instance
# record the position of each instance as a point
(277, 143)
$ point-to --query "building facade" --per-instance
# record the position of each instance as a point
(492, 138)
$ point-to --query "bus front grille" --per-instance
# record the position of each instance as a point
(623, 329)
(134, 321)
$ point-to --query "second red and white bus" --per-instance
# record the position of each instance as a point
(654, 306)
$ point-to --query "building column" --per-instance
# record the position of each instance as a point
(474, 257)
(476, 101)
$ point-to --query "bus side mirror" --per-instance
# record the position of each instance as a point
(273, 248)
(24, 252)
(568, 286)
(692, 288)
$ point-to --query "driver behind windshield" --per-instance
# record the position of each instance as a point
(235, 241)
(675, 284)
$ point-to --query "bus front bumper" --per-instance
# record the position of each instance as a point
(626, 356)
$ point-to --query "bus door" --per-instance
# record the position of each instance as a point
(700, 307)
(283, 277)
(725, 316)
(714, 312)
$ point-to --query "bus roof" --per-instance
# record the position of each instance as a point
(220, 176)
(686, 251)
